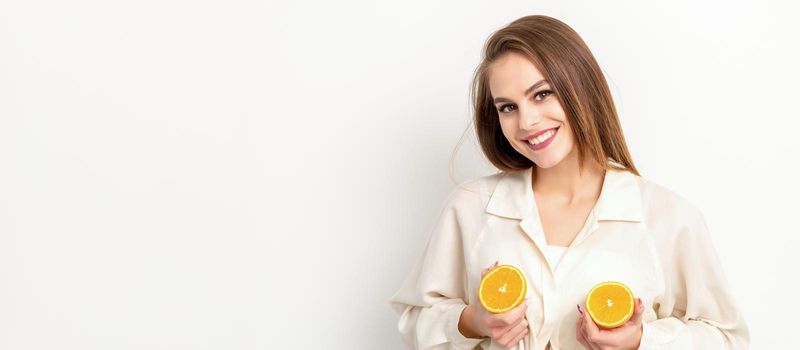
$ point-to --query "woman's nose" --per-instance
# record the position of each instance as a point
(528, 117)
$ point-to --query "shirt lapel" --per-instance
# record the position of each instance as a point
(620, 199)
(513, 199)
(513, 196)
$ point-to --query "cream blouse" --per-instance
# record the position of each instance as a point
(638, 233)
(553, 254)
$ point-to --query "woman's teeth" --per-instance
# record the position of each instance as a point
(541, 138)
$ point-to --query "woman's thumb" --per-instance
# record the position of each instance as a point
(637, 311)
(489, 269)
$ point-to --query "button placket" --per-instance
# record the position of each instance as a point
(549, 300)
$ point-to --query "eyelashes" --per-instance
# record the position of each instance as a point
(543, 93)
(546, 92)
(501, 109)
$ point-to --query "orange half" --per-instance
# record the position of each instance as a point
(502, 289)
(610, 304)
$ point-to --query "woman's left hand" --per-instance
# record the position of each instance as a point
(624, 337)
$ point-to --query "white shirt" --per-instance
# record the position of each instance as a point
(638, 233)
(553, 254)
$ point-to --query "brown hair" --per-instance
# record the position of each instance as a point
(560, 54)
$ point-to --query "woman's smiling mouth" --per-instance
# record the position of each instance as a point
(543, 140)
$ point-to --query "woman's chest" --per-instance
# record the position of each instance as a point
(606, 251)
(601, 251)
(561, 224)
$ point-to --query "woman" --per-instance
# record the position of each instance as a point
(570, 210)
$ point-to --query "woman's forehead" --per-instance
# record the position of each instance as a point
(512, 74)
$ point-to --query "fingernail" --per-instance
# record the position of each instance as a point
(640, 302)
(580, 310)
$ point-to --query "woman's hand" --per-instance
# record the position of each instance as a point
(624, 337)
(507, 328)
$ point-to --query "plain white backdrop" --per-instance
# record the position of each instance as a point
(263, 175)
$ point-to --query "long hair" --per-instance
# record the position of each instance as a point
(557, 51)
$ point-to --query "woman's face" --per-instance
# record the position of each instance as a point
(529, 110)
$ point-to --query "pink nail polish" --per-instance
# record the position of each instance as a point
(580, 310)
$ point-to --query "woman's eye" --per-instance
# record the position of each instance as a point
(502, 109)
(537, 96)
(543, 94)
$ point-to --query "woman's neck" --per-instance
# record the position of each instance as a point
(565, 184)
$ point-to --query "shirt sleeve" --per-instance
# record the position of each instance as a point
(698, 310)
(433, 295)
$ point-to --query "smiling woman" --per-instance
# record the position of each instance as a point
(541, 57)
(569, 210)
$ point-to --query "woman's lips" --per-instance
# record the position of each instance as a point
(544, 143)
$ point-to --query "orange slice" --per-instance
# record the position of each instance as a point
(610, 304)
(502, 289)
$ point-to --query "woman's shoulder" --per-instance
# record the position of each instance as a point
(660, 202)
(475, 190)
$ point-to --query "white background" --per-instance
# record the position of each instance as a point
(250, 175)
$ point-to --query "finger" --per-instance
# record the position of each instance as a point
(510, 317)
(497, 329)
(581, 334)
(591, 330)
(579, 321)
(516, 340)
(513, 333)
(522, 319)
(514, 315)
(489, 269)
(591, 345)
(636, 319)
(582, 340)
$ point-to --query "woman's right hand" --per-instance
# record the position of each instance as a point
(506, 328)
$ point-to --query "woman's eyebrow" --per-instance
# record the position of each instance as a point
(527, 92)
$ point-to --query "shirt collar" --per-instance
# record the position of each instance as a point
(620, 197)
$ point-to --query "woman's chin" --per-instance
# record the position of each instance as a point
(547, 162)
(554, 156)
